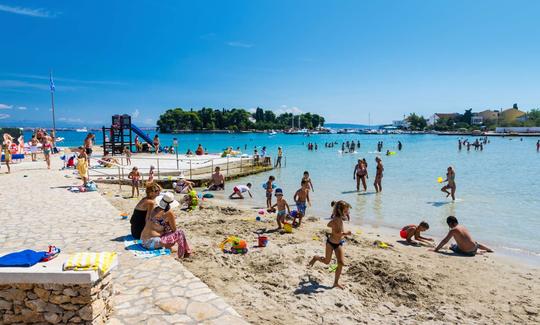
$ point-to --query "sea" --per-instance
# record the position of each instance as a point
(498, 188)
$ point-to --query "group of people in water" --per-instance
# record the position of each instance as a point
(477, 144)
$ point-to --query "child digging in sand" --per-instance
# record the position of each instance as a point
(334, 242)
(282, 208)
(239, 189)
(410, 231)
(301, 197)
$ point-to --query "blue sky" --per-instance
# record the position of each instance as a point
(341, 59)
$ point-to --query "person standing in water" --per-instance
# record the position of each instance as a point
(451, 183)
(538, 145)
(399, 145)
(360, 174)
(378, 175)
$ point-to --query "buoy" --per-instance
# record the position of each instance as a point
(440, 180)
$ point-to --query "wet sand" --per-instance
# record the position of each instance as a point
(400, 284)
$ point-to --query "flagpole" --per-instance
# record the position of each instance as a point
(52, 107)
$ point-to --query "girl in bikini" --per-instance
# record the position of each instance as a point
(47, 148)
(334, 242)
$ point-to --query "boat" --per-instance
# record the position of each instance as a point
(83, 129)
(272, 132)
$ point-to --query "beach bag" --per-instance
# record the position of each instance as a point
(91, 187)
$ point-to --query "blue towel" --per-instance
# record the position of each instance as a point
(24, 258)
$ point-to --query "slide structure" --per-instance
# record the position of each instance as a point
(143, 135)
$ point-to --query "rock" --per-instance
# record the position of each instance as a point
(70, 292)
(59, 299)
(86, 313)
(172, 305)
(75, 320)
(10, 319)
(69, 307)
(31, 316)
(81, 300)
(42, 293)
(67, 316)
(24, 286)
(53, 286)
(52, 318)
(37, 305)
(13, 294)
(5, 305)
(52, 308)
(201, 311)
(31, 295)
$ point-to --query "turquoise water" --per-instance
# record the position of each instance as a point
(497, 188)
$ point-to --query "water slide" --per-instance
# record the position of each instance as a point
(143, 136)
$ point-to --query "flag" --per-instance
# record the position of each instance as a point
(51, 83)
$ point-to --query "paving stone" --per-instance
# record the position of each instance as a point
(139, 284)
(201, 311)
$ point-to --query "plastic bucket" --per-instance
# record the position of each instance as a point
(263, 240)
(287, 227)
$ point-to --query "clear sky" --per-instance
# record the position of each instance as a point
(341, 59)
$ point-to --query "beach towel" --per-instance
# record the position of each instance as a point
(102, 262)
(24, 258)
(135, 246)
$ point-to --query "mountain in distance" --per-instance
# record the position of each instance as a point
(338, 126)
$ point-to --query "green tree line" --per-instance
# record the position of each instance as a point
(178, 119)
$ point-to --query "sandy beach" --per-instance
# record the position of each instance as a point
(400, 284)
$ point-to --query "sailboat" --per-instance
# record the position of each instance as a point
(83, 129)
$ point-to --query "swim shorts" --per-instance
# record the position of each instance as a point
(88, 151)
(301, 207)
(268, 195)
(403, 234)
(455, 248)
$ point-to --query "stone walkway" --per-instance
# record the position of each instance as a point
(37, 210)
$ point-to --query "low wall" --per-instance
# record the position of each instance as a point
(56, 303)
(44, 293)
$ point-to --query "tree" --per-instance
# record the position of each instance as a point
(416, 122)
(467, 116)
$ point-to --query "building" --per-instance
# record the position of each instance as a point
(511, 115)
(437, 116)
(477, 119)
(403, 124)
(488, 115)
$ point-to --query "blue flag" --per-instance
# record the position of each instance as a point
(51, 84)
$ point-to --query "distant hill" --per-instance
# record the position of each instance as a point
(349, 126)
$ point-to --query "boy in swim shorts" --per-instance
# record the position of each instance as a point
(301, 197)
(410, 231)
(282, 208)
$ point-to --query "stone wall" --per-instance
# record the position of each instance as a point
(56, 303)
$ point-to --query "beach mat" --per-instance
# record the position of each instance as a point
(135, 246)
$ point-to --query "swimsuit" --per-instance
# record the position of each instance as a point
(301, 206)
(334, 245)
(455, 248)
(281, 213)
(404, 231)
(138, 220)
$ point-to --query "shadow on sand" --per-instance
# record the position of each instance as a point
(310, 287)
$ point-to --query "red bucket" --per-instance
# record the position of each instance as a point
(263, 240)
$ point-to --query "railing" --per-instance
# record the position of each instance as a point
(191, 168)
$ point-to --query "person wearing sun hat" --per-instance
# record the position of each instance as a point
(160, 229)
(182, 186)
(282, 206)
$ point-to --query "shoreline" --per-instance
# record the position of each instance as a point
(401, 284)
